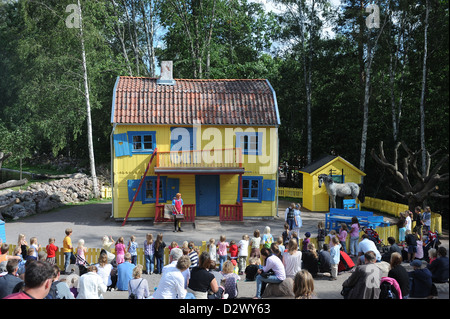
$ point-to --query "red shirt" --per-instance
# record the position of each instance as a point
(233, 251)
(19, 295)
(51, 250)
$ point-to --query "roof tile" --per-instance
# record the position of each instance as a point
(221, 102)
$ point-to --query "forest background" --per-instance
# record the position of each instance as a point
(348, 75)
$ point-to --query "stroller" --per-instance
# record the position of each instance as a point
(82, 265)
(432, 241)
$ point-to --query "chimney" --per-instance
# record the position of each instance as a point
(166, 74)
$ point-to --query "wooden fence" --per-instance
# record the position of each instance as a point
(290, 192)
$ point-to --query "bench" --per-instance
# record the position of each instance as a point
(350, 204)
(337, 216)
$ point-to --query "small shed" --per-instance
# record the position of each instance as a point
(317, 199)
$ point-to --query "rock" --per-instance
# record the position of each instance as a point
(284, 289)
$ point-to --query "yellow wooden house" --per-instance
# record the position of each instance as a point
(213, 141)
(317, 199)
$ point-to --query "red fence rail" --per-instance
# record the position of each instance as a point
(230, 212)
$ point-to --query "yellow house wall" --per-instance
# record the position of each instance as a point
(209, 137)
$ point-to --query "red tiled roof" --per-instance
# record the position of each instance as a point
(139, 100)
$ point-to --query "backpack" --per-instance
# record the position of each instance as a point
(53, 292)
(388, 291)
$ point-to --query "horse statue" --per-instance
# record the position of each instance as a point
(341, 189)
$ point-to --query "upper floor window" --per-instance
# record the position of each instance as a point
(249, 142)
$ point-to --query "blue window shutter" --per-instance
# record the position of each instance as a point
(133, 185)
(268, 192)
(121, 145)
(173, 187)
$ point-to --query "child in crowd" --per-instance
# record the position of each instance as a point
(306, 241)
(173, 245)
(51, 249)
(267, 238)
(132, 249)
(401, 231)
(233, 250)
(222, 251)
(280, 244)
(120, 251)
(335, 254)
(149, 251)
(193, 255)
(286, 234)
(212, 249)
(21, 266)
(321, 233)
(252, 269)
(159, 253)
(243, 253)
(81, 252)
(411, 241)
(22, 243)
(255, 243)
(231, 279)
(30, 254)
(354, 236)
(343, 236)
(34, 244)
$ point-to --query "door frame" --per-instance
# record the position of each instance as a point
(197, 195)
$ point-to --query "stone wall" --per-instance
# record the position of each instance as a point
(42, 197)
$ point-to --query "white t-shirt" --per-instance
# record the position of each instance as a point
(243, 247)
(366, 245)
(292, 263)
(171, 285)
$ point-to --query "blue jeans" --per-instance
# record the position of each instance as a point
(222, 259)
(344, 244)
(67, 257)
(354, 245)
(149, 263)
(291, 223)
(159, 264)
(260, 281)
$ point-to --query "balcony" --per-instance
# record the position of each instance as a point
(214, 161)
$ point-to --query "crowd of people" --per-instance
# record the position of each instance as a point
(31, 272)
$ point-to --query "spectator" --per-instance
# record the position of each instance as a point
(320, 235)
(193, 254)
(354, 236)
(304, 285)
(10, 283)
(138, 286)
(124, 273)
(59, 289)
(439, 266)
(252, 269)
(335, 254)
(202, 280)
(38, 280)
(4, 253)
(267, 238)
(91, 285)
(411, 240)
(174, 255)
(393, 248)
(310, 260)
(399, 273)
(420, 280)
(149, 252)
(159, 253)
(255, 243)
(364, 282)
(289, 216)
(427, 219)
(243, 253)
(343, 236)
(272, 272)
(325, 259)
(171, 284)
(231, 279)
(67, 249)
(366, 245)
(292, 259)
(104, 270)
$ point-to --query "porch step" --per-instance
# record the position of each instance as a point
(206, 221)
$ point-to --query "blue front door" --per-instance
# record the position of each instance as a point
(207, 189)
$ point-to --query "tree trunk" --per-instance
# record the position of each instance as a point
(13, 183)
(422, 95)
(88, 110)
